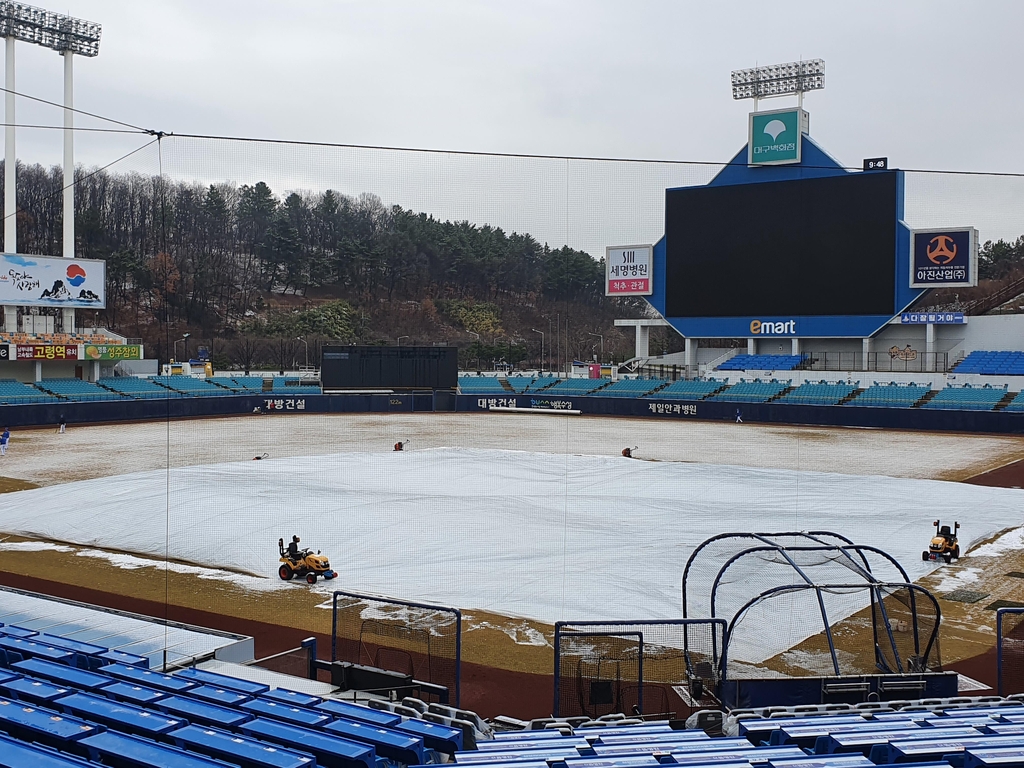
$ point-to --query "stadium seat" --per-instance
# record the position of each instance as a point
(631, 388)
(992, 363)
(76, 389)
(890, 395)
(689, 389)
(820, 393)
(756, 391)
(761, 363)
(967, 398)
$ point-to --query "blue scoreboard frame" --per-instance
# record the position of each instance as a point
(815, 163)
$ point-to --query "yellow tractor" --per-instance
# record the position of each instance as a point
(944, 544)
(302, 563)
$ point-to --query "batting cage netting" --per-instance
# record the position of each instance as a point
(1010, 650)
(419, 640)
(811, 603)
(635, 668)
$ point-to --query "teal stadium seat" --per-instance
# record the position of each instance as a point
(891, 395)
(575, 387)
(139, 388)
(481, 385)
(16, 393)
(689, 389)
(631, 388)
(78, 390)
(967, 398)
(819, 393)
(751, 392)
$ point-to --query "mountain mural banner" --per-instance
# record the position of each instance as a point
(46, 281)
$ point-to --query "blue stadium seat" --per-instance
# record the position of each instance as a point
(762, 363)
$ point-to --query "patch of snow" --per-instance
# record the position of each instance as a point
(33, 546)
(521, 633)
(1011, 541)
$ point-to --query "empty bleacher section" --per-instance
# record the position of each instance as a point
(480, 385)
(761, 363)
(756, 391)
(819, 393)
(250, 385)
(539, 383)
(137, 388)
(891, 395)
(570, 387)
(992, 363)
(15, 393)
(1017, 404)
(690, 389)
(632, 388)
(76, 389)
(967, 398)
(186, 385)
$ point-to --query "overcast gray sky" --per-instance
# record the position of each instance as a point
(931, 84)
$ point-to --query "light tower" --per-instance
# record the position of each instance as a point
(68, 36)
(796, 77)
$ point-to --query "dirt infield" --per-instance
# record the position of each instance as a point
(507, 661)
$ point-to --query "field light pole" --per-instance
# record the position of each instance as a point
(602, 342)
(299, 338)
(184, 338)
(68, 36)
(541, 345)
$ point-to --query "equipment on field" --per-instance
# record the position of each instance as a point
(944, 544)
(628, 452)
(302, 563)
(400, 446)
(261, 458)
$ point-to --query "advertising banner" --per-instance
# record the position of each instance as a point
(775, 137)
(944, 258)
(112, 352)
(933, 318)
(628, 270)
(47, 351)
(45, 281)
(5, 352)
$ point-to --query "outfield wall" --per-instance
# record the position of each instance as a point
(48, 414)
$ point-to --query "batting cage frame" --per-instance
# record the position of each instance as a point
(815, 578)
(1009, 651)
(604, 667)
(420, 640)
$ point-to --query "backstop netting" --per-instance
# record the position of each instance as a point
(654, 667)
(1010, 651)
(416, 639)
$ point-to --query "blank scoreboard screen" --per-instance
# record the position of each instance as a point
(787, 248)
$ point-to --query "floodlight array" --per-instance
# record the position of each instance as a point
(778, 79)
(48, 29)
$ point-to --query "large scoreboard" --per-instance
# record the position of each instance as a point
(786, 248)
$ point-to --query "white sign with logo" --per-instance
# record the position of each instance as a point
(628, 270)
(46, 281)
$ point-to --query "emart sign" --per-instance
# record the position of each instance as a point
(767, 328)
(775, 138)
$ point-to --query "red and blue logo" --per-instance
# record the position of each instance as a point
(76, 275)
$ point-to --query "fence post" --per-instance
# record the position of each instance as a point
(310, 645)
